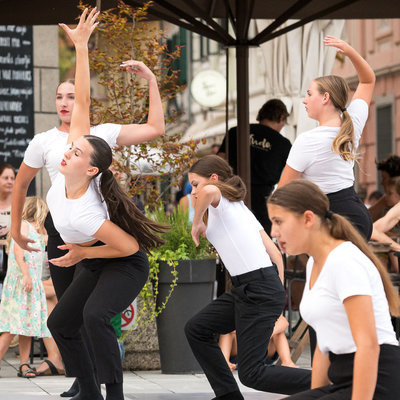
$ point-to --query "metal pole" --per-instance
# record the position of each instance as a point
(242, 87)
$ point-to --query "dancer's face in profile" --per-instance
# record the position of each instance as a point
(290, 229)
(77, 160)
(198, 182)
(314, 101)
(65, 99)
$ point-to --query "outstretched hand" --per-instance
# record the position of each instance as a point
(85, 27)
(139, 68)
(341, 46)
(74, 255)
(198, 229)
(24, 242)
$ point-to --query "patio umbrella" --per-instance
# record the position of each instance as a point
(199, 16)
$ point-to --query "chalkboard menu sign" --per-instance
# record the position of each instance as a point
(16, 92)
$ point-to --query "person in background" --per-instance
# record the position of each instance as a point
(278, 346)
(186, 203)
(268, 153)
(348, 298)
(389, 168)
(23, 308)
(373, 198)
(7, 178)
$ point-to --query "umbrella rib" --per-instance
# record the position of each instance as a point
(302, 22)
(259, 38)
(198, 28)
(230, 15)
(210, 21)
(182, 14)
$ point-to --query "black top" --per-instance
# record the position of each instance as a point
(268, 153)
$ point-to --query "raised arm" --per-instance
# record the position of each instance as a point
(22, 182)
(365, 73)
(155, 126)
(80, 120)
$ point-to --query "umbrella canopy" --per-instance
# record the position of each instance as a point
(199, 16)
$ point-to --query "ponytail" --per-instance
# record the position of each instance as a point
(231, 186)
(343, 144)
(124, 213)
(338, 90)
(121, 209)
(300, 195)
(340, 228)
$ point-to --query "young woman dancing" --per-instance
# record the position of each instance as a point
(47, 148)
(347, 298)
(257, 297)
(325, 155)
(106, 233)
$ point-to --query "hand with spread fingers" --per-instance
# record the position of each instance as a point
(74, 255)
(85, 27)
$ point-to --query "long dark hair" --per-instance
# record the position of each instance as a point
(301, 195)
(122, 210)
(231, 186)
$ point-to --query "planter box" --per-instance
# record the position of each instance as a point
(194, 290)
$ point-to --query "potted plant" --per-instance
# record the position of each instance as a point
(183, 277)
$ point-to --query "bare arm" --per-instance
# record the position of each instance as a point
(378, 209)
(80, 121)
(273, 252)
(385, 224)
(22, 182)
(320, 365)
(289, 174)
(20, 258)
(132, 134)
(365, 73)
(208, 195)
(360, 314)
(117, 243)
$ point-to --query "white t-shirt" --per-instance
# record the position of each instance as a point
(47, 148)
(235, 233)
(311, 153)
(76, 220)
(347, 272)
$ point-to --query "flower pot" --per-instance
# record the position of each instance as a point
(194, 290)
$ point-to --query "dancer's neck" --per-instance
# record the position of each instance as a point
(74, 189)
(64, 127)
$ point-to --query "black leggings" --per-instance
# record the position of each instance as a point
(341, 375)
(346, 202)
(101, 288)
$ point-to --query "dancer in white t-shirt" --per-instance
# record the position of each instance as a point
(257, 297)
(325, 155)
(47, 148)
(348, 298)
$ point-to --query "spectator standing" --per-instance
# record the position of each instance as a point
(268, 153)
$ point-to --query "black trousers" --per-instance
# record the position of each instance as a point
(61, 277)
(252, 308)
(341, 375)
(346, 202)
(101, 289)
(259, 194)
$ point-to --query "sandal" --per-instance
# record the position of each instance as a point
(51, 370)
(25, 373)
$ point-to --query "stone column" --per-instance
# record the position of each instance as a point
(46, 79)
